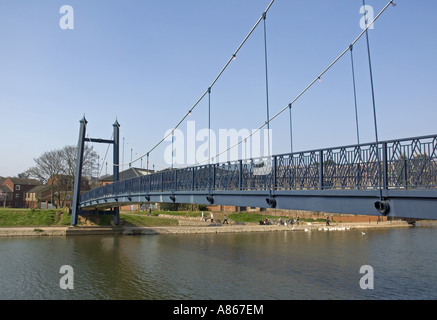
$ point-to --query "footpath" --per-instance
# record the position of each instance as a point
(194, 227)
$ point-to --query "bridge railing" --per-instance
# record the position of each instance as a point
(396, 164)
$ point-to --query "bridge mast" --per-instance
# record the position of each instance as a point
(79, 163)
(116, 170)
(78, 172)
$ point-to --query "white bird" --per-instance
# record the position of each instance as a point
(363, 233)
(309, 223)
(306, 230)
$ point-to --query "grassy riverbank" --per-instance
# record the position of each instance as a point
(246, 217)
(170, 218)
(25, 218)
(147, 221)
(60, 217)
(24, 222)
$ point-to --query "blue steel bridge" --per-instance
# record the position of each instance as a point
(396, 178)
(348, 180)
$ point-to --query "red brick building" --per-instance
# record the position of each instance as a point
(15, 189)
(58, 192)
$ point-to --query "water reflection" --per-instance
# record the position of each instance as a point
(277, 265)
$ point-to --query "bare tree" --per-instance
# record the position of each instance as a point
(57, 169)
(24, 175)
(48, 166)
(69, 158)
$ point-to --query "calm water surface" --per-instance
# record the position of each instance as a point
(276, 265)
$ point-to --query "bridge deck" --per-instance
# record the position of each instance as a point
(394, 178)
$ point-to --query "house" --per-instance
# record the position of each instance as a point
(58, 192)
(15, 190)
(33, 196)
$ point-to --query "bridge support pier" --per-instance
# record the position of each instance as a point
(78, 174)
(116, 169)
(75, 210)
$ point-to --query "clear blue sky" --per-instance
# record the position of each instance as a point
(147, 62)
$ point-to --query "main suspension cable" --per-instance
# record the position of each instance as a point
(212, 84)
(309, 85)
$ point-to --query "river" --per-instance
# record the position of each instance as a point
(264, 265)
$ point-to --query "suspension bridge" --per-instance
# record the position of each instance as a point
(394, 178)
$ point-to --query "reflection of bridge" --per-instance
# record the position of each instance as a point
(395, 178)
(350, 179)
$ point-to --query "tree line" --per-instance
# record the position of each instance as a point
(57, 169)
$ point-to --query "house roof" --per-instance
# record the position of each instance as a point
(127, 174)
(4, 188)
(24, 181)
(39, 189)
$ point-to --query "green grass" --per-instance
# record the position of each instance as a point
(29, 218)
(37, 218)
(180, 213)
(46, 218)
(155, 213)
(147, 221)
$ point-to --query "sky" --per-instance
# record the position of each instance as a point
(146, 63)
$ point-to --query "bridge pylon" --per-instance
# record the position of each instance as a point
(75, 210)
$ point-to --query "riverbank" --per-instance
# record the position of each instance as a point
(193, 229)
(239, 228)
